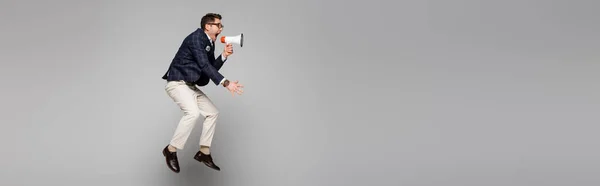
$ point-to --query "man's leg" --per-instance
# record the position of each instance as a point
(211, 113)
(185, 97)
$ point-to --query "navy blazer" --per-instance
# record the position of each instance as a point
(195, 61)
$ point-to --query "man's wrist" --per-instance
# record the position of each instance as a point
(225, 83)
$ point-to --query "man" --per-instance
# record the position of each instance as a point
(195, 64)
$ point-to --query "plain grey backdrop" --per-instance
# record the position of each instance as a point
(420, 93)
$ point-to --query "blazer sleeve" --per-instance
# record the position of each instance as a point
(197, 48)
(219, 62)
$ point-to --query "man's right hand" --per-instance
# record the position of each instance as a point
(235, 87)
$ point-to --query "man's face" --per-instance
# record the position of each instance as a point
(214, 28)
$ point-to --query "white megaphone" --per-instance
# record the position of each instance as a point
(239, 39)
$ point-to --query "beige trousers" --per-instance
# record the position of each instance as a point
(194, 103)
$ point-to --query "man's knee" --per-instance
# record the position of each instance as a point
(213, 114)
(193, 114)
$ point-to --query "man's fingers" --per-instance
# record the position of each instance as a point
(237, 88)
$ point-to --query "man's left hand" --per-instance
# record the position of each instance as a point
(228, 50)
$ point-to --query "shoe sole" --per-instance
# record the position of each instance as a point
(207, 164)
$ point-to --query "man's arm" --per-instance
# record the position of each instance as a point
(197, 48)
(219, 61)
(218, 64)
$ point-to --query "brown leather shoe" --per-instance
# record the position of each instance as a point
(207, 160)
(171, 159)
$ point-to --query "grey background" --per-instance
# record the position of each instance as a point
(423, 93)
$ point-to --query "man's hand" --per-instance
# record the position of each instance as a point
(234, 87)
(228, 50)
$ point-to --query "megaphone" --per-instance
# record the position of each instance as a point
(239, 39)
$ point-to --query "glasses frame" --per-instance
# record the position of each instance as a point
(220, 25)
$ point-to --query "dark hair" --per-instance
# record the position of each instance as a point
(208, 18)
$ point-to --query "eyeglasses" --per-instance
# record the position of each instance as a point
(217, 24)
